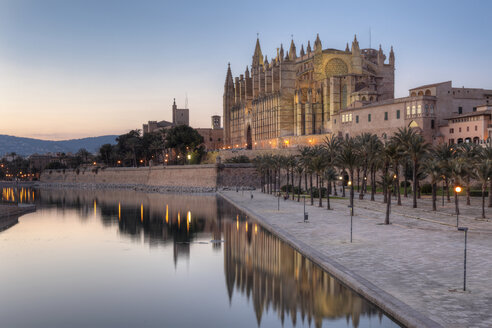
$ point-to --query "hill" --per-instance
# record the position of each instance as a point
(28, 146)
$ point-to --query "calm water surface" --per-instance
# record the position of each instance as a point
(128, 259)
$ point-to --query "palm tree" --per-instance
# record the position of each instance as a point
(417, 149)
(319, 163)
(487, 154)
(459, 168)
(470, 152)
(403, 137)
(387, 181)
(348, 158)
(329, 175)
(433, 168)
(444, 153)
(483, 173)
(299, 169)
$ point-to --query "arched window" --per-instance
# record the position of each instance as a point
(460, 140)
(413, 94)
(413, 110)
(364, 98)
(371, 99)
(408, 110)
(476, 140)
(413, 124)
(427, 92)
(420, 93)
(419, 109)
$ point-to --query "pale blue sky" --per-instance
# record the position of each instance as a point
(75, 68)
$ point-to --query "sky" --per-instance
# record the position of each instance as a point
(80, 68)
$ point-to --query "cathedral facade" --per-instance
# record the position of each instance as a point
(295, 96)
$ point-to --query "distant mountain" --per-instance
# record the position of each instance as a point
(28, 146)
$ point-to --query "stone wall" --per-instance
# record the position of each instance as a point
(187, 176)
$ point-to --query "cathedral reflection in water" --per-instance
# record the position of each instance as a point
(258, 265)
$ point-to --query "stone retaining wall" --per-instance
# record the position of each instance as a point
(192, 177)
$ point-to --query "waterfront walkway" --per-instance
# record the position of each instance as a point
(418, 259)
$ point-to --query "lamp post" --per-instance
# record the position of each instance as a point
(457, 190)
(465, 229)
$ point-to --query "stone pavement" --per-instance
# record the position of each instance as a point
(418, 259)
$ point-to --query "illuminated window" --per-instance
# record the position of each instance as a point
(419, 109)
(413, 110)
(408, 110)
(350, 117)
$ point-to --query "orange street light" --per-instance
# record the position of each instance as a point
(457, 189)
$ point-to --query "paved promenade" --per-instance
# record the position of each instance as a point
(418, 259)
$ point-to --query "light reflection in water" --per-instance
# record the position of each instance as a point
(281, 286)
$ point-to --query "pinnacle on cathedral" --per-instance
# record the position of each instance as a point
(308, 49)
(281, 52)
(347, 49)
(392, 57)
(302, 51)
(228, 80)
(317, 43)
(355, 46)
(292, 50)
(258, 56)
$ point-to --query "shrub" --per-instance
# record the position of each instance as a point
(478, 193)
(238, 159)
(402, 184)
(316, 192)
(426, 188)
(284, 189)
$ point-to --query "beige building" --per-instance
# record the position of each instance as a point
(302, 99)
(471, 127)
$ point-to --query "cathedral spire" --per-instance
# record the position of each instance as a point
(347, 49)
(308, 47)
(246, 73)
(381, 56)
(317, 43)
(292, 50)
(392, 57)
(355, 46)
(257, 56)
(228, 77)
(281, 52)
(302, 51)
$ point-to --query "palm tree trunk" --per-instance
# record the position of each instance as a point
(293, 182)
(373, 183)
(490, 193)
(447, 191)
(335, 193)
(328, 185)
(311, 188)
(414, 175)
(320, 193)
(434, 196)
(388, 206)
(406, 180)
(299, 190)
(398, 188)
(358, 179)
(468, 192)
(483, 200)
(305, 182)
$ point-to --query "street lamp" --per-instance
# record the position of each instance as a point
(457, 190)
(465, 229)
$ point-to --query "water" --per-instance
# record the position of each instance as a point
(128, 259)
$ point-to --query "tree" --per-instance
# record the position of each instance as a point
(483, 173)
(105, 152)
(348, 158)
(183, 139)
(403, 137)
(434, 170)
(416, 149)
(84, 154)
(470, 152)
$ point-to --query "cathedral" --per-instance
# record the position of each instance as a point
(300, 94)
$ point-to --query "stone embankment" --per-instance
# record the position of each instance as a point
(412, 268)
(187, 178)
